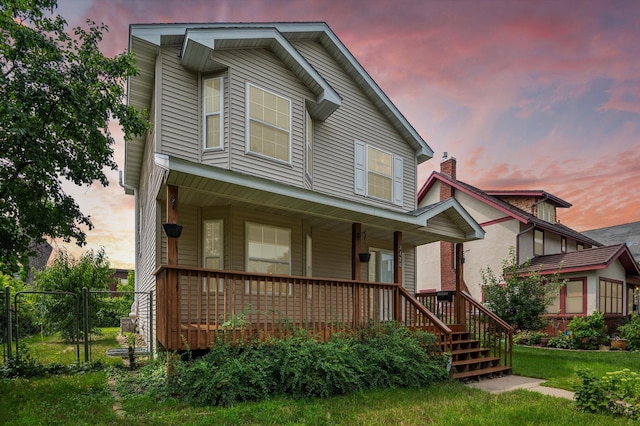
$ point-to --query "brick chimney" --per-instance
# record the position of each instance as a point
(447, 250)
(447, 167)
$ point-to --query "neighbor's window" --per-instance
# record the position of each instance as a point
(309, 146)
(570, 300)
(547, 212)
(538, 244)
(269, 124)
(213, 106)
(611, 296)
(268, 249)
(579, 246)
(563, 244)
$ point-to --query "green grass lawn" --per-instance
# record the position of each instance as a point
(85, 399)
(49, 349)
(559, 366)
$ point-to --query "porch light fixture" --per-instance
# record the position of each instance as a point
(172, 230)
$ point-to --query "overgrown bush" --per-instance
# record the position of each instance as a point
(67, 274)
(631, 332)
(301, 367)
(617, 392)
(520, 300)
(529, 337)
(588, 332)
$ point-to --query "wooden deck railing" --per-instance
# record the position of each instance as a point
(482, 324)
(195, 306)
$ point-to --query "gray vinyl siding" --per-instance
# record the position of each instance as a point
(149, 228)
(262, 69)
(188, 243)
(180, 108)
(331, 255)
(409, 268)
(356, 119)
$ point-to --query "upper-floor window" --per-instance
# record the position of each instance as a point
(213, 107)
(378, 173)
(547, 212)
(309, 145)
(563, 244)
(579, 246)
(268, 249)
(268, 124)
(538, 242)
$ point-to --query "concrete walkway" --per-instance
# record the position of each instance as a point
(511, 382)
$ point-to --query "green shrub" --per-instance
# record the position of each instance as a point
(561, 341)
(529, 337)
(617, 392)
(631, 332)
(588, 332)
(301, 367)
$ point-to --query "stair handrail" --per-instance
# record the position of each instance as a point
(486, 311)
(424, 311)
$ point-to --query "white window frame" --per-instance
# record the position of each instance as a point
(361, 173)
(206, 287)
(249, 120)
(263, 225)
(220, 113)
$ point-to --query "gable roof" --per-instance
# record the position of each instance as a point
(508, 209)
(628, 233)
(585, 260)
(200, 40)
(535, 193)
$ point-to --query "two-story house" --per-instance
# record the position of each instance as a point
(291, 176)
(598, 277)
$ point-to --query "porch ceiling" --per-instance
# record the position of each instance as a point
(205, 186)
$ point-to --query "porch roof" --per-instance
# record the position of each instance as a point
(203, 185)
(585, 260)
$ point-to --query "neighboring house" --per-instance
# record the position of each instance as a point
(284, 162)
(598, 277)
(627, 233)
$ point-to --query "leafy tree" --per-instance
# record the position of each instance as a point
(58, 94)
(67, 274)
(520, 300)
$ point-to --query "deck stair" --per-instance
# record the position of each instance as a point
(469, 361)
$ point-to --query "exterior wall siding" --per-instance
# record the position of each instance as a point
(180, 108)
(356, 119)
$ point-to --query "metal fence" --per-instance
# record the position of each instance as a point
(31, 317)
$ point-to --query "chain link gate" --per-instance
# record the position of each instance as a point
(25, 315)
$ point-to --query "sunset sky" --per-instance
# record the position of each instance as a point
(525, 94)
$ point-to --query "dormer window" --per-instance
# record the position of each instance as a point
(547, 212)
(268, 124)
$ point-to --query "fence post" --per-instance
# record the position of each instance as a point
(85, 321)
(7, 294)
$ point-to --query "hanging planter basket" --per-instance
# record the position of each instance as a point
(364, 257)
(172, 230)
